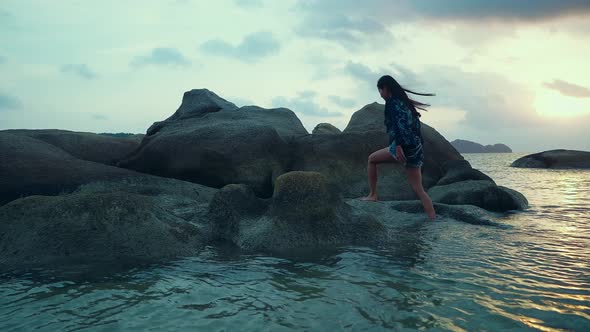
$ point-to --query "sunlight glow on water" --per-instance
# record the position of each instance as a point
(535, 275)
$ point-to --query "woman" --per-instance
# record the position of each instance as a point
(402, 122)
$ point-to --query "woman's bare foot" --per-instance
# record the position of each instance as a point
(369, 198)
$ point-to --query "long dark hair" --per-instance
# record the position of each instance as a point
(399, 92)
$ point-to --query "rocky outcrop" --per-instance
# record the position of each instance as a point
(83, 145)
(307, 213)
(325, 129)
(304, 213)
(137, 219)
(464, 146)
(555, 159)
(212, 142)
(256, 180)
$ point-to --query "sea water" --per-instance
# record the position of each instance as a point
(533, 274)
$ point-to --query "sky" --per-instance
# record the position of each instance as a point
(507, 71)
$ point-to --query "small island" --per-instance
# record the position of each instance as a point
(464, 146)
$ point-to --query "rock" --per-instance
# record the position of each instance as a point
(108, 221)
(33, 167)
(83, 145)
(464, 146)
(304, 197)
(304, 214)
(368, 118)
(343, 158)
(460, 170)
(325, 129)
(400, 214)
(230, 206)
(30, 166)
(216, 144)
(481, 193)
(555, 159)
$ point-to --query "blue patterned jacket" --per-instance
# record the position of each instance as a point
(401, 126)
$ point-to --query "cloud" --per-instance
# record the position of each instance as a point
(2, 59)
(352, 24)
(363, 73)
(162, 56)
(347, 23)
(350, 32)
(303, 104)
(8, 103)
(486, 98)
(5, 17)
(81, 70)
(99, 116)
(369, 77)
(506, 10)
(472, 10)
(239, 101)
(249, 4)
(252, 48)
(341, 101)
(9, 22)
(569, 89)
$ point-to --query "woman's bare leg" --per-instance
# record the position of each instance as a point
(377, 157)
(415, 179)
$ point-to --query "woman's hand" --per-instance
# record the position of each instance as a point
(400, 154)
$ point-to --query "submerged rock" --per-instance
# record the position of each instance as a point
(306, 213)
(482, 193)
(555, 159)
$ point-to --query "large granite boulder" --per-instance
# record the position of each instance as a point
(29, 166)
(136, 219)
(555, 159)
(343, 158)
(210, 141)
(83, 145)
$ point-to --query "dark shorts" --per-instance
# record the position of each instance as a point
(414, 154)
